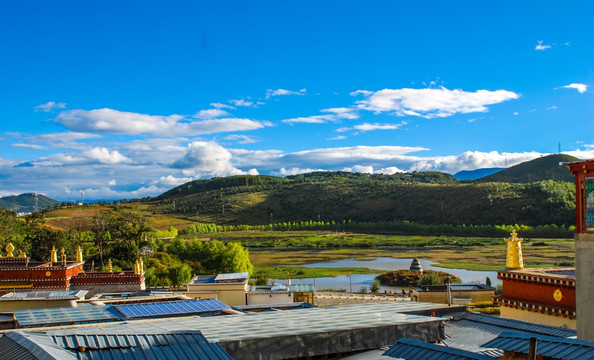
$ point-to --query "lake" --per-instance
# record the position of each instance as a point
(354, 282)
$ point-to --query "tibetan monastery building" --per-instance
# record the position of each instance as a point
(21, 274)
(541, 295)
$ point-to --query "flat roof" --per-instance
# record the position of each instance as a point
(44, 295)
(561, 273)
(283, 323)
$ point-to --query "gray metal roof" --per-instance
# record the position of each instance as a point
(559, 348)
(232, 277)
(31, 346)
(44, 295)
(418, 350)
(171, 308)
(279, 323)
(471, 330)
(175, 345)
(66, 315)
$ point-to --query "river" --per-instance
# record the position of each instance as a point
(355, 282)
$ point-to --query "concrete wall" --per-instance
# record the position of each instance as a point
(263, 298)
(11, 305)
(584, 271)
(538, 318)
(229, 293)
(440, 297)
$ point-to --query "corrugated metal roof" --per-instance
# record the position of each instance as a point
(66, 315)
(31, 346)
(45, 295)
(279, 323)
(555, 347)
(174, 345)
(232, 277)
(520, 325)
(203, 279)
(471, 330)
(417, 350)
(168, 308)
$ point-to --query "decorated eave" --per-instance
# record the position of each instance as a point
(556, 280)
(539, 308)
(581, 166)
(584, 179)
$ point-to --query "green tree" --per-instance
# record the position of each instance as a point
(180, 274)
(375, 286)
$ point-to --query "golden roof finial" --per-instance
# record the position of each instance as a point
(54, 255)
(141, 265)
(79, 255)
(109, 267)
(137, 267)
(9, 250)
(514, 259)
(63, 257)
(22, 254)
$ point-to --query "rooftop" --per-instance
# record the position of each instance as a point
(45, 295)
(559, 273)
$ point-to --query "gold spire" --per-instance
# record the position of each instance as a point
(109, 267)
(141, 268)
(514, 252)
(54, 255)
(63, 257)
(79, 255)
(137, 267)
(22, 254)
(9, 250)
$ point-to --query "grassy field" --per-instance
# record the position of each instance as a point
(488, 257)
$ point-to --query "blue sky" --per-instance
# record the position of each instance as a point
(129, 99)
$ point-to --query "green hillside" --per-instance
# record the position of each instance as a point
(428, 198)
(543, 168)
(25, 203)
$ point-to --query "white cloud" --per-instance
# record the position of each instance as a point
(581, 88)
(64, 140)
(342, 113)
(49, 106)
(210, 113)
(120, 122)
(516, 113)
(294, 171)
(112, 182)
(338, 137)
(172, 181)
(552, 107)
(316, 119)
(334, 115)
(221, 106)
(105, 156)
(431, 103)
(472, 160)
(372, 127)
(391, 170)
(283, 92)
(242, 139)
(540, 46)
(207, 158)
(242, 102)
(359, 169)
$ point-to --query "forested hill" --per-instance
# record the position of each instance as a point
(543, 168)
(429, 198)
(25, 203)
